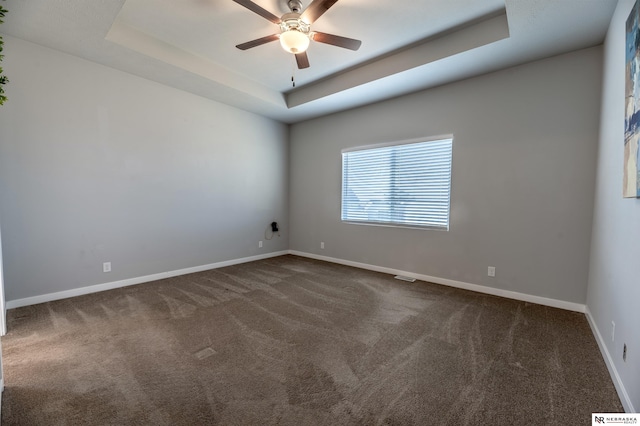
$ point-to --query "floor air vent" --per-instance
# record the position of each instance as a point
(403, 278)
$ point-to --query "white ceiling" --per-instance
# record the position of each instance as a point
(190, 45)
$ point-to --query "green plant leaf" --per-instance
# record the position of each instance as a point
(3, 78)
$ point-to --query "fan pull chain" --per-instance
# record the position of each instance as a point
(293, 73)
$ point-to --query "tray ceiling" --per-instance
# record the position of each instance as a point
(190, 45)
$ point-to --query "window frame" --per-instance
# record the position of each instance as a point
(446, 137)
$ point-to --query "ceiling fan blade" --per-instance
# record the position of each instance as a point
(303, 60)
(259, 10)
(258, 42)
(316, 9)
(344, 42)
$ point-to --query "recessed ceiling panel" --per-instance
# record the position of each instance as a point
(190, 45)
(212, 28)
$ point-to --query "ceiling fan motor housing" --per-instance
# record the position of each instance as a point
(295, 6)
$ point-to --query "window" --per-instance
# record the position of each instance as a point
(404, 184)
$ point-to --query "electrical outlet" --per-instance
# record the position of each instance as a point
(613, 331)
(491, 271)
(259, 244)
(624, 353)
(322, 245)
(106, 267)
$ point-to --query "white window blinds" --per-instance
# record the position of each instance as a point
(406, 185)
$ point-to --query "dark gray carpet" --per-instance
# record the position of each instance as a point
(292, 341)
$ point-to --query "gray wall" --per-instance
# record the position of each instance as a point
(614, 278)
(98, 165)
(524, 155)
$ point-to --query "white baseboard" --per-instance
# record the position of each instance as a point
(11, 304)
(570, 306)
(617, 381)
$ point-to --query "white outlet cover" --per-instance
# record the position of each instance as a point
(613, 331)
(106, 267)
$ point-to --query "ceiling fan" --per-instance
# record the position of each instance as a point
(295, 29)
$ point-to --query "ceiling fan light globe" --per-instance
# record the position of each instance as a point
(294, 41)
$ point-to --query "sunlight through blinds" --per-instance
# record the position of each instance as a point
(404, 185)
